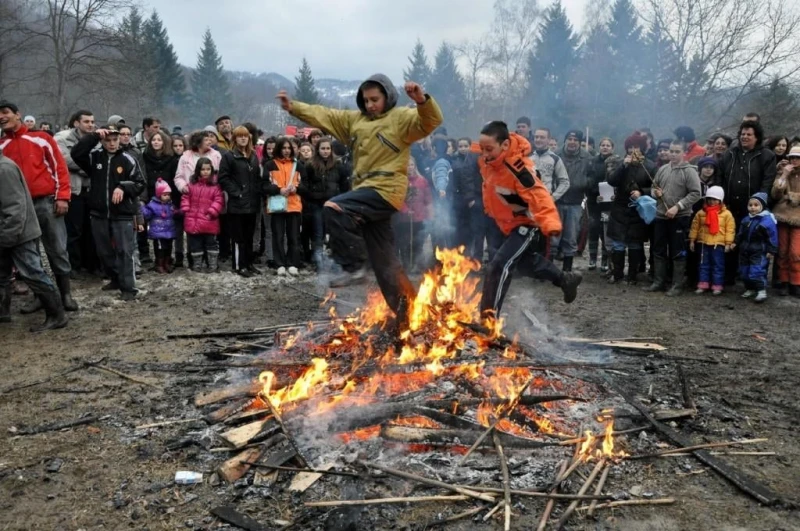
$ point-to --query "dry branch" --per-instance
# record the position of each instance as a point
(506, 482)
(432, 482)
(628, 503)
(588, 483)
(381, 501)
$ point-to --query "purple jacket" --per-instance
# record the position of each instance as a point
(160, 219)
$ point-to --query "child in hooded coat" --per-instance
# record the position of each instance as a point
(201, 203)
(714, 229)
(160, 215)
(757, 242)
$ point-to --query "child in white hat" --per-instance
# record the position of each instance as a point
(714, 228)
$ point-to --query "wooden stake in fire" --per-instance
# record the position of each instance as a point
(279, 419)
(572, 506)
(548, 508)
(506, 482)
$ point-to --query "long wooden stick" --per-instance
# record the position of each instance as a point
(548, 508)
(506, 482)
(538, 494)
(380, 501)
(309, 470)
(599, 488)
(698, 447)
(688, 400)
(168, 423)
(428, 481)
(128, 377)
(458, 516)
(511, 406)
(624, 503)
(689, 454)
(588, 483)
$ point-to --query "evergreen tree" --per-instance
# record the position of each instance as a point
(447, 85)
(659, 71)
(418, 70)
(134, 84)
(550, 67)
(304, 89)
(210, 93)
(627, 47)
(778, 106)
(170, 85)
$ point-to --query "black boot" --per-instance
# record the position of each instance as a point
(592, 261)
(678, 278)
(32, 307)
(178, 260)
(635, 261)
(62, 281)
(783, 289)
(54, 310)
(5, 304)
(618, 265)
(567, 267)
(569, 285)
(659, 276)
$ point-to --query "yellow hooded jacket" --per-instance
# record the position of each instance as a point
(380, 146)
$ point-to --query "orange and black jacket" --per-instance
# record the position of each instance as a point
(512, 193)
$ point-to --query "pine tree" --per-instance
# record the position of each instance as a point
(210, 93)
(659, 71)
(447, 85)
(627, 47)
(304, 89)
(135, 84)
(778, 106)
(419, 70)
(170, 85)
(550, 67)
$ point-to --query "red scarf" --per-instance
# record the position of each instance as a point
(712, 218)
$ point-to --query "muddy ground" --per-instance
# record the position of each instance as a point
(114, 477)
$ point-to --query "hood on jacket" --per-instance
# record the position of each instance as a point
(518, 147)
(388, 88)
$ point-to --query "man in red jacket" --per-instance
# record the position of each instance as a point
(47, 176)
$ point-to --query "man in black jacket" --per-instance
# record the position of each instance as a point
(577, 162)
(116, 183)
(468, 200)
(19, 247)
(747, 168)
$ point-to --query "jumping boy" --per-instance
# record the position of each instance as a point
(520, 206)
(380, 136)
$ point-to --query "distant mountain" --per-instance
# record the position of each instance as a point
(329, 89)
(280, 81)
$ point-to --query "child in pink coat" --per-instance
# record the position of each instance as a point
(202, 203)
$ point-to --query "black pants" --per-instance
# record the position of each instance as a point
(80, 243)
(224, 237)
(515, 251)
(286, 225)
(241, 229)
(360, 225)
(410, 239)
(115, 239)
(596, 232)
(142, 243)
(201, 243)
(162, 248)
(670, 237)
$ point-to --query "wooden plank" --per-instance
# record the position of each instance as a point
(303, 480)
(240, 436)
(226, 393)
(230, 515)
(236, 467)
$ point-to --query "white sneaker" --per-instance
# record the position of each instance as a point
(747, 294)
(762, 296)
(281, 271)
(293, 271)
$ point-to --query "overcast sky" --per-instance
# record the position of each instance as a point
(345, 39)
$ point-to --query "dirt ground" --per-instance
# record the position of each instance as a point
(114, 477)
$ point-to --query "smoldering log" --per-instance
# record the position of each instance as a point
(528, 400)
(411, 434)
(352, 419)
(56, 426)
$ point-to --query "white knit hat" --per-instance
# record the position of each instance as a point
(715, 192)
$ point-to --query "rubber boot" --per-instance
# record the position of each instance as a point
(678, 278)
(63, 283)
(635, 260)
(179, 260)
(197, 262)
(32, 307)
(5, 304)
(161, 266)
(567, 267)
(783, 289)
(569, 285)
(659, 276)
(618, 263)
(54, 310)
(213, 261)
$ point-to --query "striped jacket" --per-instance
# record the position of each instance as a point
(37, 155)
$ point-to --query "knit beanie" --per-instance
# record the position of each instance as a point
(577, 133)
(715, 192)
(762, 198)
(162, 188)
(706, 161)
(638, 140)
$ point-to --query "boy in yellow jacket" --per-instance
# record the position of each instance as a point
(715, 229)
(380, 136)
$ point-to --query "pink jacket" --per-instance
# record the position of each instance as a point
(202, 205)
(187, 163)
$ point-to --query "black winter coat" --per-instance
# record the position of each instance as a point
(467, 184)
(598, 173)
(578, 166)
(625, 224)
(108, 171)
(744, 174)
(240, 178)
(317, 188)
(164, 168)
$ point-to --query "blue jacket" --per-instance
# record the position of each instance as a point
(441, 173)
(160, 220)
(758, 235)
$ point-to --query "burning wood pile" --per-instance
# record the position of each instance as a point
(353, 397)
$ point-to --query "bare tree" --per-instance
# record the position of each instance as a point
(513, 32)
(726, 48)
(477, 55)
(78, 36)
(15, 41)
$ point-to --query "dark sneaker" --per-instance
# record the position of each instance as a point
(253, 269)
(569, 285)
(111, 286)
(348, 279)
(128, 296)
(244, 273)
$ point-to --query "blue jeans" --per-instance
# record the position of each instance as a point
(570, 229)
(711, 271)
(54, 235)
(26, 258)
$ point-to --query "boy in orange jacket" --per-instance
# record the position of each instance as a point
(515, 198)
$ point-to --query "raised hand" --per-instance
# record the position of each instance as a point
(286, 101)
(415, 92)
